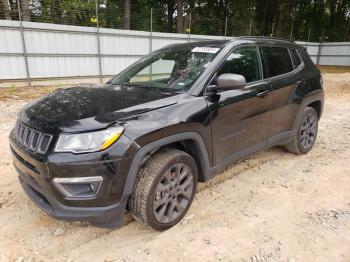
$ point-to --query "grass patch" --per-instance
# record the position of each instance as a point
(334, 69)
(24, 93)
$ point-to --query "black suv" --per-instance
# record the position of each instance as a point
(174, 118)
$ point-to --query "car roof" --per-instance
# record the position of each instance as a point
(248, 39)
(268, 40)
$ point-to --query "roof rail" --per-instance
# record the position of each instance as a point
(265, 37)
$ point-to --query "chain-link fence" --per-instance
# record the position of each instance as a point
(236, 18)
(32, 51)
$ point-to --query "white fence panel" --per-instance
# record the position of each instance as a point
(58, 51)
(62, 66)
(12, 67)
(112, 66)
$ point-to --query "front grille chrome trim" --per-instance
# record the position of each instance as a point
(25, 135)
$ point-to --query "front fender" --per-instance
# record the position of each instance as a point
(144, 150)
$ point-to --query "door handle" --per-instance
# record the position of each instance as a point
(301, 82)
(263, 93)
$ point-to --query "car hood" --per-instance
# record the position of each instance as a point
(80, 109)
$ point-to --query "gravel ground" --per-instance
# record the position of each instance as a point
(273, 206)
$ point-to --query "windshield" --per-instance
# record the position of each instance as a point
(174, 68)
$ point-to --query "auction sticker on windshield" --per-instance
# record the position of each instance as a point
(205, 49)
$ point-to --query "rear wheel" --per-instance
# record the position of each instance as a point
(305, 137)
(165, 189)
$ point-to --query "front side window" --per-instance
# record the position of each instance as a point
(243, 61)
(276, 60)
(174, 68)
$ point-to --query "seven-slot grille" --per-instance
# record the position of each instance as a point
(30, 138)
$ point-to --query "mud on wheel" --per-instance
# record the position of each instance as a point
(165, 189)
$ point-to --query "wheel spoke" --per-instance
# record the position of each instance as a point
(185, 194)
(308, 119)
(184, 173)
(160, 215)
(308, 131)
(304, 141)
(158, 203)
(171, 210)
(177, 168)
(313, 129)
(186, 183)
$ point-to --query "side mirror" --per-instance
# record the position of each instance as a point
(230, 82)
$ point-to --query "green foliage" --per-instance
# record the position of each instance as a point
(326, 20)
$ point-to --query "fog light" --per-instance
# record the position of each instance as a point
(78, 187)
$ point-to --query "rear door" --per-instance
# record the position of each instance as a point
(285, 76)
(240, 118)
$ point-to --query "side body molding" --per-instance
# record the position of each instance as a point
(144, 150)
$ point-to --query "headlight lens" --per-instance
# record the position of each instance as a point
(88, 142)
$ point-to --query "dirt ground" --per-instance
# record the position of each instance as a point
(273, 206)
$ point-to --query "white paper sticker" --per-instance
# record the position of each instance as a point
(205, 49)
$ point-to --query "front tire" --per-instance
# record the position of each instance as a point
(306, 134)
(164, 189)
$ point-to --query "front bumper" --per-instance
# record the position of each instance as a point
(106, 209)
(109, 216)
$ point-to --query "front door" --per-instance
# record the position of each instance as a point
(240, 118)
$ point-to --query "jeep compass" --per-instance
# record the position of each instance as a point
(176, 117)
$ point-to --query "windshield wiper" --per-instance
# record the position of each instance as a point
(134, 85)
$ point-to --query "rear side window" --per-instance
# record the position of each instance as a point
(243, 61)
(276, 61)
(295, 57)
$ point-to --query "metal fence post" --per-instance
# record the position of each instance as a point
(291, 32)
(25, 56)
(319, 51)
(189, 28)
(250, 27)
(225, 27)
(151, 32)
(308, 38)
(151, 43)
(98, 42)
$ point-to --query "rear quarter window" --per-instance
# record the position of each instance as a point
(306, 58)
(295, 57)
(277, 61)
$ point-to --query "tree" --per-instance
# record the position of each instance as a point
(180, 20)
(207, 16)
(126, 14)
(25, 10)
(7, 10)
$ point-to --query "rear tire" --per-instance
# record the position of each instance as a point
(306, 134)
(164, 189)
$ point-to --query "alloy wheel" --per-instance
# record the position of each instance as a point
(308, 131)
(173, 193)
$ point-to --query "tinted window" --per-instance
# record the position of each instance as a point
(243, 61)
(295, 57)
(277, 61)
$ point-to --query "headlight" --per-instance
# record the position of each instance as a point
(88, 142)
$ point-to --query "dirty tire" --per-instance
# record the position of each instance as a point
(164, 189)
(306, 134)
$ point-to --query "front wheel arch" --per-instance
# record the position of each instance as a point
(204, 164)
